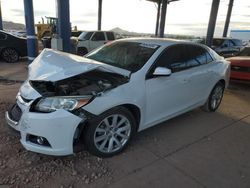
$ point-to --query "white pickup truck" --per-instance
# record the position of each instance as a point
(89, 40)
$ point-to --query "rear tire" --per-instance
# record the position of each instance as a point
(109, 133)
(10, 55)
(215, 98)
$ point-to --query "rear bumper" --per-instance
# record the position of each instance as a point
(240, 76)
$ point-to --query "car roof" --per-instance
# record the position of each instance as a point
(225, 38)
(97, 31)
(160, 41)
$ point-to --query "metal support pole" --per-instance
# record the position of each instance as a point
(163, 17)
(158, 17)
(229, 12)
(100, 15)
(1, 20)
(64, 27)
(212, 22)
(30, 30)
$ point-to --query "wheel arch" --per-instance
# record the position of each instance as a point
(136, 112)
(222, 81)
(132, 108)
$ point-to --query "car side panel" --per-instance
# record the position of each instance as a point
(134, 93)
(167, 95)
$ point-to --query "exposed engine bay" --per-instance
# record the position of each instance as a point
(89, 83)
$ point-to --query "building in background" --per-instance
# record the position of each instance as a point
(244, 35)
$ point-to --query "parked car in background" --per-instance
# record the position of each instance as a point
(124, 87)
(46, 40)
(240, 65)
(227, 47)
(19, 33)
(12, 47)
(90, 40)
(76, 33)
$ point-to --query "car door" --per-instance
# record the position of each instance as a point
(200, 69)
(84, 39)
(167, 96)
(97, 40)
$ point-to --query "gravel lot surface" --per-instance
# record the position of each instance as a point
(158, 157)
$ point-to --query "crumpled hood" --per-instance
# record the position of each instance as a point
(53, 65)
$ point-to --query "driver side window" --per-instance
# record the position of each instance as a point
(173, 58)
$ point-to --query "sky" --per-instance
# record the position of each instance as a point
(188, 17)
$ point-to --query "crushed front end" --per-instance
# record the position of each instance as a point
(48, 111)
(48, 133)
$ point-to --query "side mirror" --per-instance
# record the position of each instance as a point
(162, 71)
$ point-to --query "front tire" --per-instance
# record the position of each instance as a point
(109, 133)
(215, 98)
(10, 55)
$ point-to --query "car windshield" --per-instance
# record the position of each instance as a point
(85, 35)
(217, 42)
(245, 52)
(127, 55)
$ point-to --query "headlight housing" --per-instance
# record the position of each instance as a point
(50, 104)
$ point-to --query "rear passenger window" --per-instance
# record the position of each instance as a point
(197, 56)
(110, 35)
(98, 36)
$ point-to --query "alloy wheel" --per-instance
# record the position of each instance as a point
(216, 97)
(112, 133)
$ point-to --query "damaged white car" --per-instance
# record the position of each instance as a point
(100, 101)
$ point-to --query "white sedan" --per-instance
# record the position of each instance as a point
(101, 100)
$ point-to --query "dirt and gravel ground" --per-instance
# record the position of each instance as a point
(22, 168)
(196, 149)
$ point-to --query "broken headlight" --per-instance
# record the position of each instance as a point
(50, 104)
